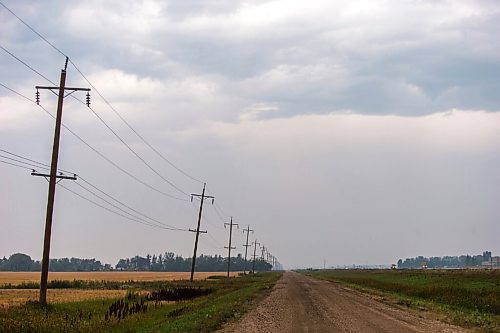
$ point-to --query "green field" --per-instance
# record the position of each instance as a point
(470, 298)
(214, 302)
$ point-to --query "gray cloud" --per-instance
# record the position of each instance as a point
(330, 120)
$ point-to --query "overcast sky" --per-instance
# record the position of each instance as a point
(341, 131)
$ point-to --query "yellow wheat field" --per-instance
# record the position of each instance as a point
(13, 297)
(15, 278)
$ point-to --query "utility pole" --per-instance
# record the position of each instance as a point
(202, 197)
(229, 247)
(246, 248)
(53, 173)
(263, 249)
(254, 255)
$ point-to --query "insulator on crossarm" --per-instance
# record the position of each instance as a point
(37, 97)
(88, 99)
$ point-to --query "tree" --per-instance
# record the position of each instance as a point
(20, 262)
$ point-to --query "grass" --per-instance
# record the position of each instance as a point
(470, 298)
(226, 301)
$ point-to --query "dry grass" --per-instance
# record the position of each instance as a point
(12, 297)
(20, 277)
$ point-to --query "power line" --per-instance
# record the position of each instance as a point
(216, 241)
(124, 205)
(25, 64)
(132, 129)
(104, 123)
(25, 158)
(90, 184)
(159, 223)
(136, 154)
(17, 93)
(202, 197)
(107, 159)
(29, 27)
(110, 210)
(16, 165)
(27, 163)
(103, 98)
(229, 247)
(212, 245)
(219, 215)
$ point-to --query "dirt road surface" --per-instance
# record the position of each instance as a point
(303, 304)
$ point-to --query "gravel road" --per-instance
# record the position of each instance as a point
(302, 304)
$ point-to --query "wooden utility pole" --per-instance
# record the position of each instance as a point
(229, 246)
(254, 255)
(53, 175)
(246, 248)
(202, 197)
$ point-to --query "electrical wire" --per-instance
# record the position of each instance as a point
(216, 241)
(157, 223)
(136, 154)
(132, 129)
(17, 93)
(45, 166)
(125, 205)
(105, 124)
(25, 64)
(219, 211)
(102, 97)
(27, 163)
(25, 158)
(29, 27)
(107, 159)
(16, 165)
(110, 210)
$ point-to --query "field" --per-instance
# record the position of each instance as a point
(16, 278)
(15, 297)
(466, 297)
(149, 302)
(25, 284)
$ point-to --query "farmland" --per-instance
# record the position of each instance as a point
(16, 278)
(466, 297)
(151, 301)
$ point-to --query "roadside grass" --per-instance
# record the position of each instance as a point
(469, 298)
(228, 300)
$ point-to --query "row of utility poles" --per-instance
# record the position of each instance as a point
(269, 257)
(62, 91)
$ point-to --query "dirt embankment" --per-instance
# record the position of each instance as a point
(303, 304)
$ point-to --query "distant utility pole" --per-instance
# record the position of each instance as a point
(246, 248)
(254, 255)
(53, 173)
(263, 249)
(229, 246)
(202, 196)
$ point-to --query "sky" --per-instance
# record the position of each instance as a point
(341, 132)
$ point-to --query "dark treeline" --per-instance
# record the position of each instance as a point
(20, 262)
(446, 262)
(169, 262)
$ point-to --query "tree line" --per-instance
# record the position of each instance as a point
(462, 261)
(20, 262)
(167, 262)
(170, 262)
